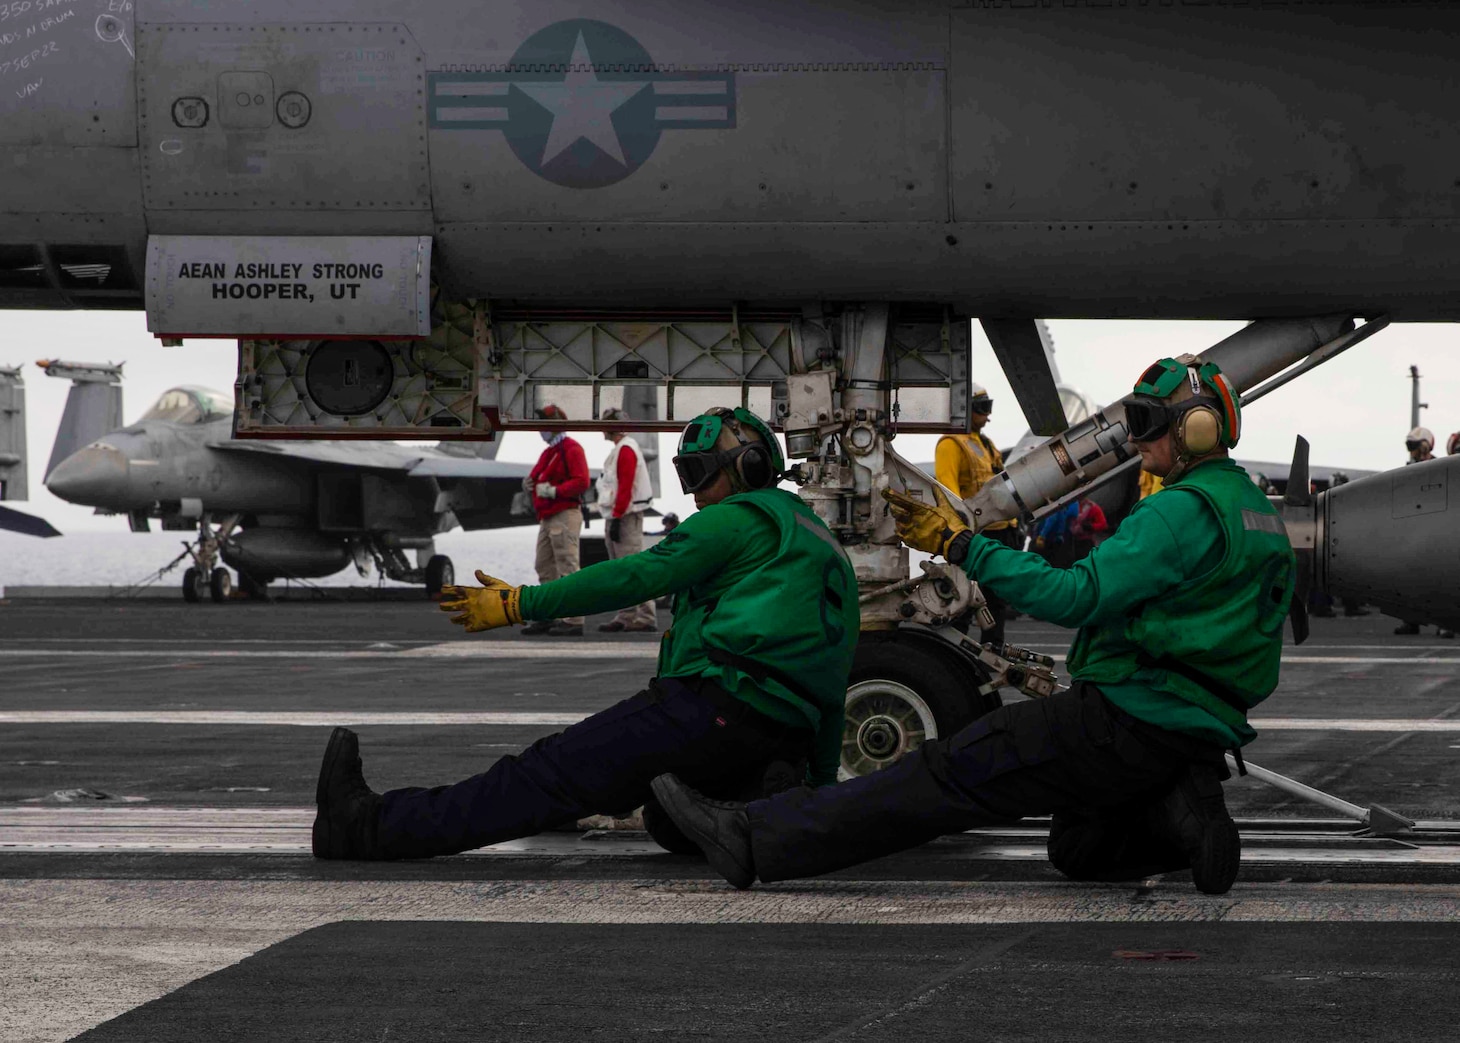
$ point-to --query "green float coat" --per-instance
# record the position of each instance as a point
(758, 577)
(1200, 573)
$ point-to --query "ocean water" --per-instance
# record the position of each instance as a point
(86, 559)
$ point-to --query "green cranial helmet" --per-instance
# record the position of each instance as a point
(756, 461)
(1147, 417)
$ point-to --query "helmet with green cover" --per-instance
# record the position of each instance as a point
(1206, 417)
(733, 440)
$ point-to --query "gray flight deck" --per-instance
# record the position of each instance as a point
(157, 761)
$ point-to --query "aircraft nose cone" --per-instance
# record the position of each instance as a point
(95, 476)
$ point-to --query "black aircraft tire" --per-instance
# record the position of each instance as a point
(439, 573)
(903, 692)
(192, 586)
(220, 585)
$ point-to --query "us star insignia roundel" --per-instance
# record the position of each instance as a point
(582, 103)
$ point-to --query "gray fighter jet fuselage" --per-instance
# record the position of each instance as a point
(1084, 160)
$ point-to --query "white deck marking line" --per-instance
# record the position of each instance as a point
(311, 719)
(286, 830)
(1356, 724)
(532, 718)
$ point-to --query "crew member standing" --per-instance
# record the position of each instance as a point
(558, 481)
(624, 493)
(964, 463)
(751, 679)
(1180, 615)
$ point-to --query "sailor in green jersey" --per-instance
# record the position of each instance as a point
(748, 694)
(1180, 618)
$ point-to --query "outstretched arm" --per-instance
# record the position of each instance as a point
(695, 551)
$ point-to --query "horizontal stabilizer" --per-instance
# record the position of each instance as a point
(26, 524)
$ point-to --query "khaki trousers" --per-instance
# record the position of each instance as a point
(631, 541)
(557, 549)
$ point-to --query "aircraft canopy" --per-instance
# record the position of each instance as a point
(190, 405)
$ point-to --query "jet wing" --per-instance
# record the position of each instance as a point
(377, 455)
(26, 524)
(467, 467)
(416, 463)
(481, 493)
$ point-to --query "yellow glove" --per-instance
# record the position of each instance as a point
(923, 526)
(494, 604)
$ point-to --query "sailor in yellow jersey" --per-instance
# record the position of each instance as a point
(964, 463)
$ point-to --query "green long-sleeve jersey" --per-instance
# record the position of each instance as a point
(731, 550)
(1170, 540)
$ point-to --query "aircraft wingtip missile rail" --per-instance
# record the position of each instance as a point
(82, 372)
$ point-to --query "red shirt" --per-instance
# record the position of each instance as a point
(628, 468)
(564, 466)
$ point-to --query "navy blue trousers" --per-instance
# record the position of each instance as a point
(602, 765)
(1073, 755)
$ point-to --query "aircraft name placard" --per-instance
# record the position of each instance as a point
(288, 286)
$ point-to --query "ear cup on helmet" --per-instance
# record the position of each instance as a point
(754, 467)
(1199, 431)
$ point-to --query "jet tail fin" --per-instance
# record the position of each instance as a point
(93, 407)
(13, 459)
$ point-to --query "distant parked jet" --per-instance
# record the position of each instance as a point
(274, 509)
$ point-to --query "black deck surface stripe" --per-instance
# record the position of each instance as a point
(414, 980)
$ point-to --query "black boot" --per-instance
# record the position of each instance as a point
(720, 827)
(348, 809)
(1193, 817)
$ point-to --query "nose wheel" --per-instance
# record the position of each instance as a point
(885, 721)
(906, 688)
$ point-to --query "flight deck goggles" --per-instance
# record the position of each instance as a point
(698, 461)
(1147, 419)
(982, 404)
(697, 470)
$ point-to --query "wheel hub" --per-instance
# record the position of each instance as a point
(885, 720)
(879, 736)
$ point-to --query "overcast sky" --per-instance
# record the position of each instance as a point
(1354, 410)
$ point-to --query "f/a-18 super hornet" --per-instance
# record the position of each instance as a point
(790, 206)
(273, 509)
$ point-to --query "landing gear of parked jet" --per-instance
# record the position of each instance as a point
(439, 573)
(205, 576)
